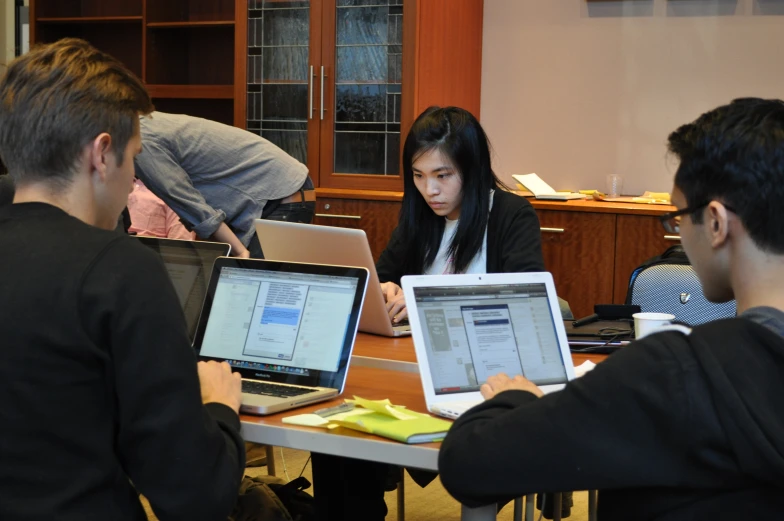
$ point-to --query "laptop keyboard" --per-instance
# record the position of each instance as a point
(280, 391)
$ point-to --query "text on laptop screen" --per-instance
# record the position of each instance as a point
(287, 320)
(474, 332)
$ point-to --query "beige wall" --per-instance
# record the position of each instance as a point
(575, 90)
(6, 32)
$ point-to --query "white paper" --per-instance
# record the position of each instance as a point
(535, 184)
(583, 368)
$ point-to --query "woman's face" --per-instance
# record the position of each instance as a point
(439, 182)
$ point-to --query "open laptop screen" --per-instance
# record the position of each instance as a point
(284, 322)
(474, 332)
(189, 264)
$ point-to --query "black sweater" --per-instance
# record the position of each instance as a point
(99, 393)
(514, 241)
(670, 428)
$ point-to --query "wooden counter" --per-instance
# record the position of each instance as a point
(590, 247)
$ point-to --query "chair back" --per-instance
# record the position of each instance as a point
(675, 289)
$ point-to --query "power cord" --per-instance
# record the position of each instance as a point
(283, 460)
(304, 467)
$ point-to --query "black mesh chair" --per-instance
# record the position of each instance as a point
(675, 289)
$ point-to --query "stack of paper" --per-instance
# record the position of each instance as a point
(381, 418)
(542, 190)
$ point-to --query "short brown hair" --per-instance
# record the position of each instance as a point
(56, 99)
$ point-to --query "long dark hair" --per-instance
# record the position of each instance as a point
(457, 134)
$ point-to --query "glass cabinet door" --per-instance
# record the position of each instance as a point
(280, 105)
(363, 133)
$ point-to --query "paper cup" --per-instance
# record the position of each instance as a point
(647, 323)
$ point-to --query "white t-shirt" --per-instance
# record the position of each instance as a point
(443, 265)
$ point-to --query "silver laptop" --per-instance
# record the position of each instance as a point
(189, 264)
(288, 328)
(298, 242)
(467, 328)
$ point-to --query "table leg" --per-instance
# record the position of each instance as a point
(530, 504)
(485, 513)
(518, 509)
(592, 496)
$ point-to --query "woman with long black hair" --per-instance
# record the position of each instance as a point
(457, 216)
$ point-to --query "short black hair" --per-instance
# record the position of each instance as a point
(735, 154)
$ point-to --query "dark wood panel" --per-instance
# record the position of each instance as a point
(220, 110)
(580, 257)
(191, 55)
(190, 10)
(639, 238)
(377, 218)
(191, 91)
(123, 40)
(86, 8)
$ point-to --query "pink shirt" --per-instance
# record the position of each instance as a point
(152, 217)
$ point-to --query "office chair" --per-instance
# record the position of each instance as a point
(675, 289)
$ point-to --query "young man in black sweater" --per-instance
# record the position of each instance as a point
(676, 426)
(101, 397)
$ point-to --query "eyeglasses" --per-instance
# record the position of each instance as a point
(672, 220)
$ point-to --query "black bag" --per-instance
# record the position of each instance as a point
(268, 498)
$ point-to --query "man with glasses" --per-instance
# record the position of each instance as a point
(679, 425)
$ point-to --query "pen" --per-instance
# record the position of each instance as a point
(330, 411)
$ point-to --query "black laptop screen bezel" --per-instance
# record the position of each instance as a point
(201, 252)
(312, 378)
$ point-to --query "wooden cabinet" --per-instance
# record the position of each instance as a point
(639, 237)
(338, 83)
(578, 250)
(191, 53)
(377, 218)
(592, 248)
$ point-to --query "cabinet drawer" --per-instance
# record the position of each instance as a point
(377, 218)
(639, 238)
(578, 249)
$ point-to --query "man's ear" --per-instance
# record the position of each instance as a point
(717, 223)
(99, 150)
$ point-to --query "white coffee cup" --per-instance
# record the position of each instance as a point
(647, 323)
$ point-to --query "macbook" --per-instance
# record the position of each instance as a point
(287, 328)
(298, 242)
(189, 264)
(467, 328)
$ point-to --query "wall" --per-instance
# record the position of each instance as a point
(6, 32)
(576, 90)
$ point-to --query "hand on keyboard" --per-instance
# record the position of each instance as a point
(220, 385)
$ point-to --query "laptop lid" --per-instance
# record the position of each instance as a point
(282, 321)
(189, 264)
(297, 242)
(469, 327)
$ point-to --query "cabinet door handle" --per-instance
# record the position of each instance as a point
(322, 92)
(334, 216)
(672, 237)
(310, 93)
(552, 230)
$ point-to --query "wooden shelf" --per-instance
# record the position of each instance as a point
(89, 19)
(176, 25)
(191, 91)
